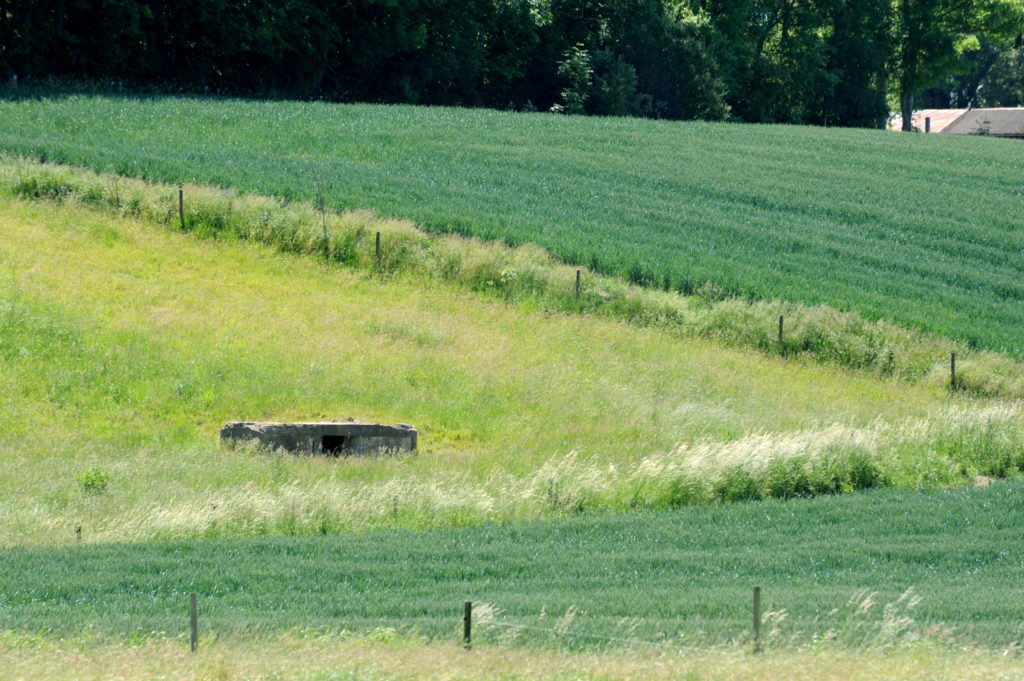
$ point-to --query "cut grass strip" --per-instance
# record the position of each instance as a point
(381, 656)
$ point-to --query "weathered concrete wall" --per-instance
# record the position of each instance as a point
(332, 438)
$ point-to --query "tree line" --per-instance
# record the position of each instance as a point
(825, 62)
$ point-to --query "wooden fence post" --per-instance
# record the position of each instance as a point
(782, 348)
(757, 620)
(181, 206)
(578, 285)
(467, 625)
(193, 620)
(952, 371)
(377, 250)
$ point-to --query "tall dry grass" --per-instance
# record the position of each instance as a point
(381, 655)
(958, 446)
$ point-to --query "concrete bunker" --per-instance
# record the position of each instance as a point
(329, 438)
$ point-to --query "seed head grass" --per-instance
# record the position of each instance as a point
(380, 657)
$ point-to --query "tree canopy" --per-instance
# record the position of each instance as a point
(829, 62)
(933, 36)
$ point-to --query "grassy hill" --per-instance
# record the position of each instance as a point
(924, 230)
(126, 346)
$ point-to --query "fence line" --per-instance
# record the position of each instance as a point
(565, 632)
(485, 624)
(572, 634)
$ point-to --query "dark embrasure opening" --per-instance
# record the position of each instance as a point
(333, 444)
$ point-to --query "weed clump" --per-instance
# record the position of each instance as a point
(94, 481)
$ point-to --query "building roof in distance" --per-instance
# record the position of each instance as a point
(940, 119)
(1004, 122)
(998, 122)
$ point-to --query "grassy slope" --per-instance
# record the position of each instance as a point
(924, 230)
(685, 575)
(126, 347)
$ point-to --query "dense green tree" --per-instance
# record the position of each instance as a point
(1003, 85)
(677, 76)
(645, 57)
(991, 76)
(577, 73)
(773, 54)
(932, 35)
(829, 62)
(857, 45)
(613, 85)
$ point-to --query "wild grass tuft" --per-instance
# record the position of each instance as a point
(951, 448)
(305, 657)
(94, 481)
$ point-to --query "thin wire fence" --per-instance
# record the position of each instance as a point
(487, 619)
(576, 634)
(896, 626)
